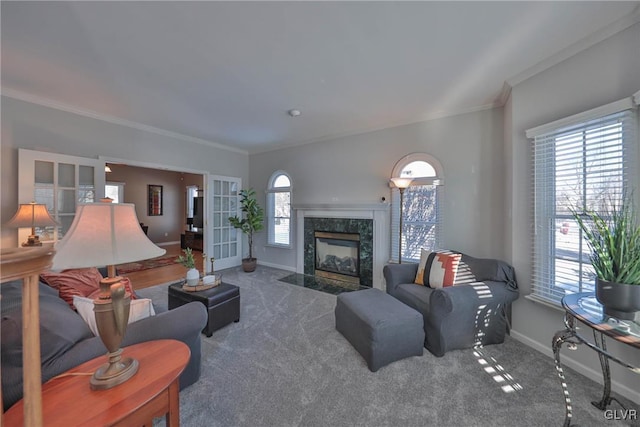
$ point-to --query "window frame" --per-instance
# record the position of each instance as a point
(272, 191)
(548, 276)
(433, 181)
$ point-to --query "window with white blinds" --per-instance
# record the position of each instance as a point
(581, 163)
(420, 209)
(421, 228)
(279, 209)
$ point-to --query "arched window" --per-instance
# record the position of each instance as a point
(420, 207)
(279, 209)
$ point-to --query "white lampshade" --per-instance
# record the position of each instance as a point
(401, 182)
(104, 234)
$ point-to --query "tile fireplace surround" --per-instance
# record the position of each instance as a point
(369, 220)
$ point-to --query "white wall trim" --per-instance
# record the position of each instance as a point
(278, 266)
(636, 97)
(576, 366)
(45, 102)
(177, 242)
(583, 44)
(604, 110)
(342, 207)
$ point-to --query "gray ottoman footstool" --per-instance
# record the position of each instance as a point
(379, 326)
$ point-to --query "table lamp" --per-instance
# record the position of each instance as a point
(401, 184)
(32, 215)
(107, 234)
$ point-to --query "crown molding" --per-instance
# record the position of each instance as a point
(46, 102)
(505, 93)
(386, 126)
(582, 44)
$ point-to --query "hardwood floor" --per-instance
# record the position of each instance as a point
(155, 276)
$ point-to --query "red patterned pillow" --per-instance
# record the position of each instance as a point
(441, 269)
(81, 282)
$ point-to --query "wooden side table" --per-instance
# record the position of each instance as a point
(152, 392)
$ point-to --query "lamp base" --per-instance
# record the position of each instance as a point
(115, 372)
(32, 240)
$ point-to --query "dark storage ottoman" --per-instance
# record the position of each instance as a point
(222, 302)
(379, 326)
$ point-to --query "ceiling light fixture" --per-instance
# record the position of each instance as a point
(294, 113)
(107, 168)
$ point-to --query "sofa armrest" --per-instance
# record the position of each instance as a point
(181, 323)
(397, 274)
(184, 324)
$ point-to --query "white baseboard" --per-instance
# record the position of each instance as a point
(168, 243)
(278, 266)
(595, 375)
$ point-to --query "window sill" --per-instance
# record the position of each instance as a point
(544, 302)
(274, 245)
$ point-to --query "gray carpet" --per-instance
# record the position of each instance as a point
(284, 364)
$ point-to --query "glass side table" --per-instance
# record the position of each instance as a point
(585, 308)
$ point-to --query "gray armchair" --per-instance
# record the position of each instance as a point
(471, 313)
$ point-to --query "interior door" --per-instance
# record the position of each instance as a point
(60, 182)
(223, 241)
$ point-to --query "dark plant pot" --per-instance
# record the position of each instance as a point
(249, 264)
(619, 300)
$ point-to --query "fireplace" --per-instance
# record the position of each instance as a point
(338, 246)
(337, 256)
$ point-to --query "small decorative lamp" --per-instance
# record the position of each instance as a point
(107, 234)
(401, 184)
(32, 215)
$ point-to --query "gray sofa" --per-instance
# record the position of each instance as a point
(66, 341)
(472, 312)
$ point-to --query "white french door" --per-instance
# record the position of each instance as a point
(60, 182)
(224, 242)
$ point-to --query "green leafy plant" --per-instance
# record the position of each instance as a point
(253, 216)
(187, 260)
(613, 236)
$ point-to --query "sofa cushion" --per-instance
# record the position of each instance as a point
(441, 269)
(138, 309)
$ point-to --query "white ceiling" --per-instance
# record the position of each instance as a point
(227, 72)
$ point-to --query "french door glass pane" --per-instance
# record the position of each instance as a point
(66, 175)
(43, 172)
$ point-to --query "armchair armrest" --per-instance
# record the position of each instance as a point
(466, 298)
(397, 274)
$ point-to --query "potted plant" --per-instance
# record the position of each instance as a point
(252, 222)
(613, 236)
(187, 260)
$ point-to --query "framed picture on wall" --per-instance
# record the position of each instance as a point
(155, 200)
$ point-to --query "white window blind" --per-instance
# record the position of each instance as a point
(279, 210)
(421, 227)
(584, 165)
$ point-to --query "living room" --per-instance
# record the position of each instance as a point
(483, 148)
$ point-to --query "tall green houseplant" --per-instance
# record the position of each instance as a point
(252, 221)
(613, 236)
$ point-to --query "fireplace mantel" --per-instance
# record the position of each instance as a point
(378, 212)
